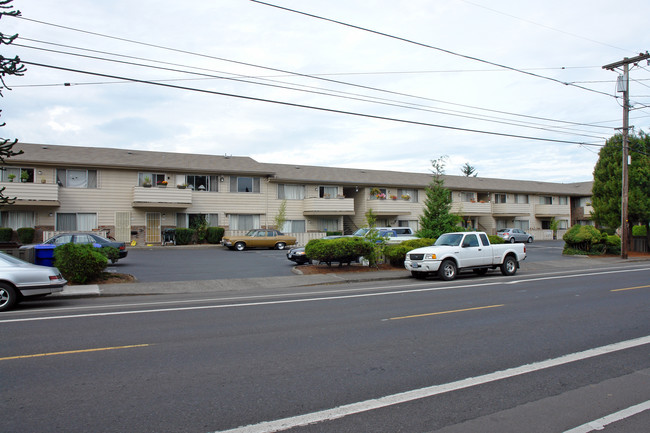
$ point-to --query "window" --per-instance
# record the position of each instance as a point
(294, 226)
(202, 182)
(500, 198)
(564, 200)
(545, 199)
(327, 191)
(291, 192)
(521, 198)
(66, 222)
(17, 219)
(154, 178)
(244, 222)
(189, 220)
(377, 193)
(328, 224)
(484, 239)
(522, 224)
(408, 223)
(245, 184)
(17, 174)
(410, 192)
(70, 178)
(470, 241)
(468, 196)
(502, 224)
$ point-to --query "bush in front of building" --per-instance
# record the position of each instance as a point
(26, 235)
(639, 231)
(340, 250)
(214, 234)
(5, 234)
(495, 240)
(79, 263)
(396, 253)
(111, 253)
(185, 236)
(588, 240)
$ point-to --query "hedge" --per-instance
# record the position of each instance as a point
(396, 253)
(79, 263)
(341, 250)
(214, 234)
(26, 235)
(588, 240)
(6, 234)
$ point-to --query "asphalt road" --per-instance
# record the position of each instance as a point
(216, 262)
(534, 353)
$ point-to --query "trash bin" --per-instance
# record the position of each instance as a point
(44, 255)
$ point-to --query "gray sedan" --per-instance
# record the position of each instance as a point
(20, 280)
(514, 235)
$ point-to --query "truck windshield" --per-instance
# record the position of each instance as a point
(449, 239)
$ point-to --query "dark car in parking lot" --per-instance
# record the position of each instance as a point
(87, 238)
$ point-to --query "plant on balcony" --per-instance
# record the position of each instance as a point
(340, 196)
(24, 176)
(381, 196)
(326, 195)
(393, 197)
(163, 183)
(11, 177)
(147, 182)
(406, 197)
(181, 186)
(375, 192)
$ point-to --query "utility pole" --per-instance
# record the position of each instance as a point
(623, 85)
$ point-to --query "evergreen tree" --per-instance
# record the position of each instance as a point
(468, 170)
(437, 218)
(8, 66)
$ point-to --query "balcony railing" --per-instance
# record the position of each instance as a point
(471, 208)
(328, 206)
(390, 207)
(551, 210)
(167, 197)
(33, 194)
(511, 209)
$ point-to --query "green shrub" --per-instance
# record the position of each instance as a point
(583, 237)
(396, 253)
(184, 236)
(613, 245)
(79, 263)
(495, 240)
(214, 234)
(6, 234)
(341, 250)
(639, 231)
(26, 235)
(111, 253)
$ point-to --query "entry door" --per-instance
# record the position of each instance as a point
(152, 228)
(123, 226)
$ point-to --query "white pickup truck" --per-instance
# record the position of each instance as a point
(454, 252)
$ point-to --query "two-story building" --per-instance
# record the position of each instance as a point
(134, 194)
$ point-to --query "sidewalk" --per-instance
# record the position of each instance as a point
(297, 280)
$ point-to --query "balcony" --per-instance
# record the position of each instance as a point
(390, 207)
(511, 209)
(468, 208)
(328, 206)
(551, 210)
(161, 197)
(32, 194)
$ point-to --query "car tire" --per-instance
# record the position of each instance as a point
(448, 270)
(530, 240)
(509, 266)
(240, 246)
(8, 297)
(512, 240)
(280, 246)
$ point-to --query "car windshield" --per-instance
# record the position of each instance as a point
(449, 239)
(360, 232)
(251, 232)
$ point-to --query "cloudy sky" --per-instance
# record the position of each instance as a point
(515, 88)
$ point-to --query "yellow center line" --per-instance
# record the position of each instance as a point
(629, 288)
(73, 352)
(446, 312)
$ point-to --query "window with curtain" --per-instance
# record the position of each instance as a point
(545, 199)
(467, 196)
(291, 192)
(154, 178)
(76, 222)
(564, 200)
(245, 184)
(17, 219)
(522, 224)
(294, 226)
(500, 198)
(244, 222)
(521, 198)
(328, 191)
(184, 220)
(410, 192)
(328, 224)
(75, 178)
(18, 174)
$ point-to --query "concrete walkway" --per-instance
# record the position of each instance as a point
(298, 280)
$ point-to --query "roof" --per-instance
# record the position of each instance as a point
(78, 156)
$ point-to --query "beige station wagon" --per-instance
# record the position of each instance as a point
(258, 238)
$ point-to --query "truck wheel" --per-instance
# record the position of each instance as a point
(447, 270)
(280, 245)
(509, 266)
(419, 275)
(240, 246)
(8, 297)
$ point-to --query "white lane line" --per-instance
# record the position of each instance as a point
(405, 397)
(600, 423)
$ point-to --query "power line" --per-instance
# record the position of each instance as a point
(510, 68)
(311, 107)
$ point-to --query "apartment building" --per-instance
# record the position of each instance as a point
(135, 194)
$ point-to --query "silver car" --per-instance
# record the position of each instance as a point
(20, 280)
(514, 235)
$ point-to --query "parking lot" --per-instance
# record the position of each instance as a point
(175, 263)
